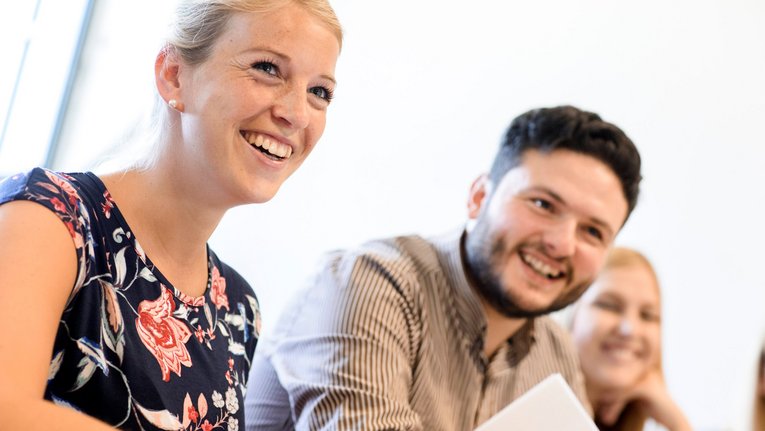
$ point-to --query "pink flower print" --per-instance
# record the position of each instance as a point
(70, 226)
(207, 426)
(58, 205)
(76, 237)
(65, 186)
(193, 414)
(200, 333)
(162, 334)
(218, 290)
(230, 363)
(108, 204)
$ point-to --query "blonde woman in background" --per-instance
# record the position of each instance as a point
(616, 326)
(104, 332)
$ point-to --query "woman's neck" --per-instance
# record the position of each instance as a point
(600, 396)
(171, 224)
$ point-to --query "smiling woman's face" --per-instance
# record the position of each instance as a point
(617, 327)
(255, 109)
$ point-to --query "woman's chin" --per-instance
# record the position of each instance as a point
(615, 381)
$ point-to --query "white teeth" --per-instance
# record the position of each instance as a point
(540, 266)
(621, 354)
(272, 147)
(280, 151)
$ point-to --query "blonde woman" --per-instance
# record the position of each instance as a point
(616, 326)
(115, 311)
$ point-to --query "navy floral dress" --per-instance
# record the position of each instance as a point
(132, 350)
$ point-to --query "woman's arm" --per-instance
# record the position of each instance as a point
(652, 397)
(38, 266)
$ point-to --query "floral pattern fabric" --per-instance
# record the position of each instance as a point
(130, 349)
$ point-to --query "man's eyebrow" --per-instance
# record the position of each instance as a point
(558, 198)
(548, 192)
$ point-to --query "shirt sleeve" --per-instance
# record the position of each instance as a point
(55, 192)
(346, 360)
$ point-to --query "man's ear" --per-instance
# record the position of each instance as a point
(167, 68)
(479, 191)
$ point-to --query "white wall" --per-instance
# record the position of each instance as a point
(426, 88)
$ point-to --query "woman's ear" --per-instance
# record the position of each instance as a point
(479, 191)
(167, 68)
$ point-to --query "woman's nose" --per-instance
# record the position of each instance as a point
(626, 326)
(292, 108)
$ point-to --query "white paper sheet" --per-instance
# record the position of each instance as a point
(549, 406)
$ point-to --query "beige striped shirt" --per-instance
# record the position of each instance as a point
(390, 337)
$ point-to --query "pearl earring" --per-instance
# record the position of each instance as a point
(173, 103)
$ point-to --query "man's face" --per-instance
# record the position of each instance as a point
(539, 237)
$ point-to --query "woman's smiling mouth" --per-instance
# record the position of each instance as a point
(270, 147)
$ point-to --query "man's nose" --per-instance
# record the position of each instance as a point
(560, 240)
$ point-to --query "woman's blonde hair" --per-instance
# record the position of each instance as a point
(631, 418)
(199, 23)
(197, 26)
(620, 257)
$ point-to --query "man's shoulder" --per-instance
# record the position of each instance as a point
(403, 263)
(399, 255)
(396, 247)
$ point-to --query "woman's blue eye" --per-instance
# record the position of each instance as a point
(267, 67)
(321, 92)
(649, 316)
(610, 306)
(594, 232)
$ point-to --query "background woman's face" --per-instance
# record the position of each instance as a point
(617, 327)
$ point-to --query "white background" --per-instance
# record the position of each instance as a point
(426, 89)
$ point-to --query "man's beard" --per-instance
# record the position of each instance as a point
(481, 256)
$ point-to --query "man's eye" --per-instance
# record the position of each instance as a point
(267, 67)
(543, 204)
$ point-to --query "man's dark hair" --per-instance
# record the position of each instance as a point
(569, 128)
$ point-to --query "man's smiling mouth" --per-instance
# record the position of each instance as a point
(541, 268)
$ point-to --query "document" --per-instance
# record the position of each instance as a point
(549, 406)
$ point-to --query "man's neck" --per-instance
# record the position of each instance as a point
(499, 328)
